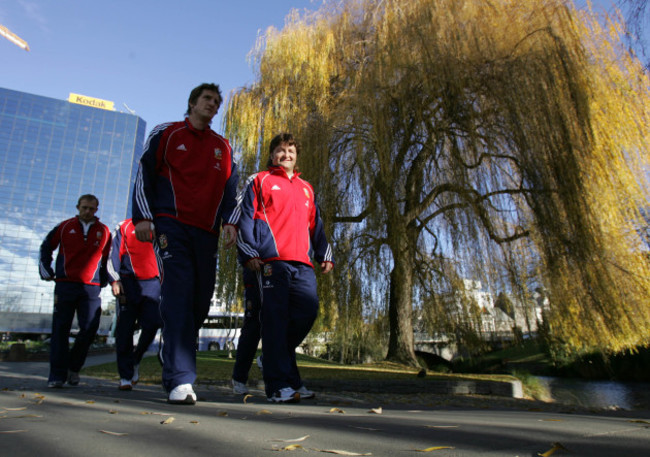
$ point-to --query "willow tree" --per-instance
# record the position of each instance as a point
(443, 133)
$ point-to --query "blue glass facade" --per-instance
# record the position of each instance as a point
(51, 152)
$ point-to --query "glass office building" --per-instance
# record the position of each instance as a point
(51, 152)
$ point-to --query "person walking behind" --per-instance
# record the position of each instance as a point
(249, 336)
(83, 245)
(185, 192)
(135, 281)
(279, 227)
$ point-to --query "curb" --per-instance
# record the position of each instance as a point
(512, 389)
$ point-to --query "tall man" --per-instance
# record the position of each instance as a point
(80, 272)
(133, 273)
(184, 192)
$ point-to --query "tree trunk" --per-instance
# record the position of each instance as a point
(400, 309)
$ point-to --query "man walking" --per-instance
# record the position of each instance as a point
(80, 273)
(184, 193)
(133, 271)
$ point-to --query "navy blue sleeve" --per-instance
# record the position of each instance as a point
(322, 249)
(244, 212)
(144, 189)
(114, 258)
(229, 202)
(48, 246)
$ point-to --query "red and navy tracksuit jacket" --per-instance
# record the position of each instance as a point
(186, 174)
(81, 258)
(280, 224)
(280, 220)
(130, 257)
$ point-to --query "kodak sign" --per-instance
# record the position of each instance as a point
(89, 101)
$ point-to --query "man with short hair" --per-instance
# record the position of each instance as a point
(185, 190)
(80, 273)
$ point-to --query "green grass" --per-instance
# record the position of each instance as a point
(216, 366)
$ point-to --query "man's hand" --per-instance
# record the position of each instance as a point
(326, 267)
(117, 288)
(144, 231)
(254, 264)
(229, 236)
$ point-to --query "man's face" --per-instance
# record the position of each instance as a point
(285, 155)
(206, 105)
(87, 210)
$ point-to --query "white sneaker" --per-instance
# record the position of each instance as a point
(259, 364)
(285, 395)
(125, 384)
(136, 374)
(239, 388)
(182, 394)
(305, 392)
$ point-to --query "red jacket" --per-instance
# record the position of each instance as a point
(81, 258)
(280, 220)
(186, 174)
(129, 256)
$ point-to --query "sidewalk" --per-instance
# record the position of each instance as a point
(97, 419)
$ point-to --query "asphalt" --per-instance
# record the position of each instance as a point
(97, 419)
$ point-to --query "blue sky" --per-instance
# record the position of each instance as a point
(147, 54)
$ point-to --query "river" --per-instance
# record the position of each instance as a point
(598, 394)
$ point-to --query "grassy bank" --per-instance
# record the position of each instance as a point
(216, 366)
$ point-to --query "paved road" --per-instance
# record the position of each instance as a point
(95, 419)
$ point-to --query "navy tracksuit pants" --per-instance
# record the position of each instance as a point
(250, 335)
(189, 264)
(141, 305)
(71, 297)
(289, 309)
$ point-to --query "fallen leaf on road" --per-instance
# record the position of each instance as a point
(16, 409)
(339, 452)
(337, 410)
(291, 447)
(222, 413)
(263, 411)
(113, 433)
(434, 448)
(377, 410)
(638, 421)
(246, 397)
(20, 417)
(169, 420)
(295, 440)
(90, 402)
(112, 411)
(12, 431)
(556, 447)
(194, 422)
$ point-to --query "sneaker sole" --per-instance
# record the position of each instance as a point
(125, 388)
(187, 401)
(294, 399)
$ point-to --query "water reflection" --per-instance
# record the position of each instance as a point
(598, 394)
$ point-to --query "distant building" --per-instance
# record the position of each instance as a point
(51, 152)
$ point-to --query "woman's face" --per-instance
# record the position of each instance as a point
(285, 156)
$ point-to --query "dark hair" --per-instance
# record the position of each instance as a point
(88, 197)
(198, 90)
(277, 141)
